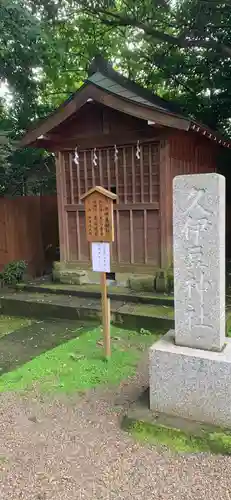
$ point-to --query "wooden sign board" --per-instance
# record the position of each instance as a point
(99, 215)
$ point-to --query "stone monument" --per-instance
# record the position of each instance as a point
(199, 260)
(190, 368)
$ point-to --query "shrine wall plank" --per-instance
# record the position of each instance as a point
(182, 153)
(132, 173)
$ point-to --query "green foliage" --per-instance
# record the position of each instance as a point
(180, 49)
(26, 171)
(5, 150)
(13, 272)
(24, 50)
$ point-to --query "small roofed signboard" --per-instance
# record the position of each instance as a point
(100, 233)
(99, 214)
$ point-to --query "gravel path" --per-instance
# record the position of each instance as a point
(74, 449)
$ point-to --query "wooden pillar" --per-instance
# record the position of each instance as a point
(60, 202)
(166, 250)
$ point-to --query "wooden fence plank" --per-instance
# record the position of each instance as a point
(125, 175)
(150, 171)
(71, 177)
(133, 177)
(29, 231)
(85, 171)
(145, 238)
(131, 237)
(78, 235)
(141, 175)
(108, 170)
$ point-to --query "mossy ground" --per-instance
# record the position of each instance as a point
(79, 364)
(210, 441)
(9, 324)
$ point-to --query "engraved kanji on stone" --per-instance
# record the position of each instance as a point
(197, 216)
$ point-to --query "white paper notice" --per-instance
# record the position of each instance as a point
(100, 257)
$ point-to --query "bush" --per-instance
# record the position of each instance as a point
(13, 272)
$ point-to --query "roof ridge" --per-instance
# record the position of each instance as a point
(99, 64)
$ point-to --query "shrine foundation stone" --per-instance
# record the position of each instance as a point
(190, 368)
(191, 383)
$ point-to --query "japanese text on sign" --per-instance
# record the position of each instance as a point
(99, 218)
(101, 257)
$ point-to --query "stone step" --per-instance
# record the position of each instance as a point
(49, 305)
(93, 291)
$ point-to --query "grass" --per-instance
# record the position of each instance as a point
(78, 365)
(216, 442)
(9, 324)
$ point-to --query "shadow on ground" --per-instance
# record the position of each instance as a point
(28, 342)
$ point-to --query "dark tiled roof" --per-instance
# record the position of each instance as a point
(137, 93)
(102, 75)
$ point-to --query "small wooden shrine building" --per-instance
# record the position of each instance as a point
(115, 134)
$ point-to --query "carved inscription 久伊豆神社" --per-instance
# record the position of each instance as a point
(198, 219)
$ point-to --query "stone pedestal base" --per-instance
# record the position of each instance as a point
(191, 383)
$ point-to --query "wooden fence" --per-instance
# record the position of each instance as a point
(29, 231)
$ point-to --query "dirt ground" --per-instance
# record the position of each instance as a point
(74, 449)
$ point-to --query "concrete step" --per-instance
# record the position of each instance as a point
(49, 305)
(93, 291)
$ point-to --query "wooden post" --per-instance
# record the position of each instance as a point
(99, 218)
(105, 316)
(165, 206)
